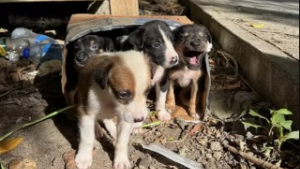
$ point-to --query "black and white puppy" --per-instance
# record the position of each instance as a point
(155, 38)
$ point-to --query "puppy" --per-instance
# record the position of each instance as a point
(192, 43)
(113, 84)
(83, 49)
(155, 38)
(89, 46)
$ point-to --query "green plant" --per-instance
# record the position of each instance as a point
(278, 127)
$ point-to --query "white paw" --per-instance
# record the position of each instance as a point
(136, 128)
(83, 160)
(164, 116)
(122, 162)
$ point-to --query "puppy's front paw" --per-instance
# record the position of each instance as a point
(136, 128)
(163, 115)
(83, 160)
(122, 162)
(193, 113)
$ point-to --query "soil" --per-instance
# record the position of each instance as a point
(51, 144)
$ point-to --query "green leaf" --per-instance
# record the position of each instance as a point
(157, 123)
(277, 120)
(35, 122)
(283, 111)
(267, 151)
(246, 124)
(292, 135)
(255, 114)
(2, 166)
(287, 125)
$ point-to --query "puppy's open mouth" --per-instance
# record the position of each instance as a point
(192, 57)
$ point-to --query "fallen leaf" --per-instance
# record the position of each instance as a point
(49, 67)
(231, 86)
(259, 25)
(23, 164)
(8, 145)
(197, 128)
(180, 112)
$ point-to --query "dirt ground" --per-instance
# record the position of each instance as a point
(25, 97)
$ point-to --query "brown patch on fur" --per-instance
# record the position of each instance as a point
(121, 79)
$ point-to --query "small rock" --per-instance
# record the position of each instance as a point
(22, 164)
(218, 133)
(157, 133)
(208, 156)
(151, 167)
(216, 146)
(217, 155)
(144, 163)
(239, 137)
(203, 141)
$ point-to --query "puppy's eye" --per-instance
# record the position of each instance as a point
(124, 95)
(94, 47)
(156, 44)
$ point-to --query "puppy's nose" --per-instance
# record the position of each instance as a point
(196, 42)
(136, 120)
(174, 60)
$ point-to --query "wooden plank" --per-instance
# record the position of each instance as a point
(77, 18)
(124, 7)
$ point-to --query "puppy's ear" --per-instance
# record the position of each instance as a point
(137, 38)
(109, 45)
(101, 73)
(210, 45)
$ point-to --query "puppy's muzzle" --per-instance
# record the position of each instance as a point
(137, 120)
(174, 60)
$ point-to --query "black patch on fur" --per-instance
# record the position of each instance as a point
(148, 38)
(83, 50)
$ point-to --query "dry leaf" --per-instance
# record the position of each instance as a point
(231, 86)
(197, 128)
(15, 76)
(182, 113)
(23, 164)
(260, 25)
(8, 145)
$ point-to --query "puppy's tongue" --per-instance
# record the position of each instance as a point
(193, 60)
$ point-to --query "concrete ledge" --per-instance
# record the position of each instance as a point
(273, 74)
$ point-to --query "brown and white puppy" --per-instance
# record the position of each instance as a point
(155, 38)
(113, 84)
(192, 42)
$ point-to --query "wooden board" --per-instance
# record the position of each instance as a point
(77, 18)
(124, 7)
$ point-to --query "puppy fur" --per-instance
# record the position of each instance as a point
(82, 50)
(155, 38)
(192, 43)
(113, 84)
(89, 46)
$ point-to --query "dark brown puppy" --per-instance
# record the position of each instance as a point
(192, 43)
(83, 50)
(90, 46)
